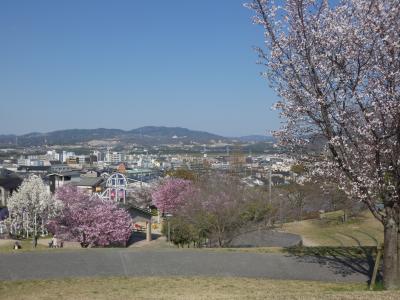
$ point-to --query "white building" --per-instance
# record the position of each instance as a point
(66, 155)
(114, 157)
(97, 154)
(52, 155)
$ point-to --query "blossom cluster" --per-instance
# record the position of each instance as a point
(90, 220)
(171, 194)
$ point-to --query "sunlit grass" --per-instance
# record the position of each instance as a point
(185, 288)
(363, 230)
(7, 246)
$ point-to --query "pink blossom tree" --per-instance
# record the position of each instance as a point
(336, 68)
(217, 208)
(170, 194)
(90, 220)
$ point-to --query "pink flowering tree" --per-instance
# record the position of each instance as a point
(336, 68)
(217, 209)
(90, 220)
(170, 194)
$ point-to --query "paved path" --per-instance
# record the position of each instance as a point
(184, 262)
(266, 238)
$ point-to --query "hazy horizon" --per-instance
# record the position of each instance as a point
(128, 129)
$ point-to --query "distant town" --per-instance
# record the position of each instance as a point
(88, 164)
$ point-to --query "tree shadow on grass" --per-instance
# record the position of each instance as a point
(341, 260)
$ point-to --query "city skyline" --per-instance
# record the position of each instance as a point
(97, 64)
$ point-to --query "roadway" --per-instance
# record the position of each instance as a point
(178, 262)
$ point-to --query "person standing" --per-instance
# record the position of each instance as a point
(34, 240)
(55, 242)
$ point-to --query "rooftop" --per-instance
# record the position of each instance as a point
(89, 181)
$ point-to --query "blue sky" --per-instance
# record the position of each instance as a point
(126, 64)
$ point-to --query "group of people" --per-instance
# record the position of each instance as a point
(55, 243)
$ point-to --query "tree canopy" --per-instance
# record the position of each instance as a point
(90, 220)
(336, 69)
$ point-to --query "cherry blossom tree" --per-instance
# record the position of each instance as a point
(90, 220)
(217, 209)
(32, 206)
(170, 194)
(140, 196)
(336, 68)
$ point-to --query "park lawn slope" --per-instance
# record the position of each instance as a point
(363, 230)
(185, 288)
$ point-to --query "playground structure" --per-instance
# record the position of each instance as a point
(117, 187)
(116, 190)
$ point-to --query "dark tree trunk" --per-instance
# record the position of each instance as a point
(391, 255)
(301, 214)
(345, 216)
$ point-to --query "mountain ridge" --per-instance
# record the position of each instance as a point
(143, 135)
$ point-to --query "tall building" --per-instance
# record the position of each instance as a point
(52, 155)
(66, 155)
(97, 154)
(114, 157)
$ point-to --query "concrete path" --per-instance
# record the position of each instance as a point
(266, 238)
(178, 262)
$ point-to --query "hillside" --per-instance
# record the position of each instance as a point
(363, 230)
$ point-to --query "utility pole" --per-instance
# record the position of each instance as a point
(169, 232)
(251, 163)
(270, 185)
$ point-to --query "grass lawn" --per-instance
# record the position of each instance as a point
(185, 288)
(363, 230)
(6, 246)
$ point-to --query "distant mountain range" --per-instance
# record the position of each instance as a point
(148, 135)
